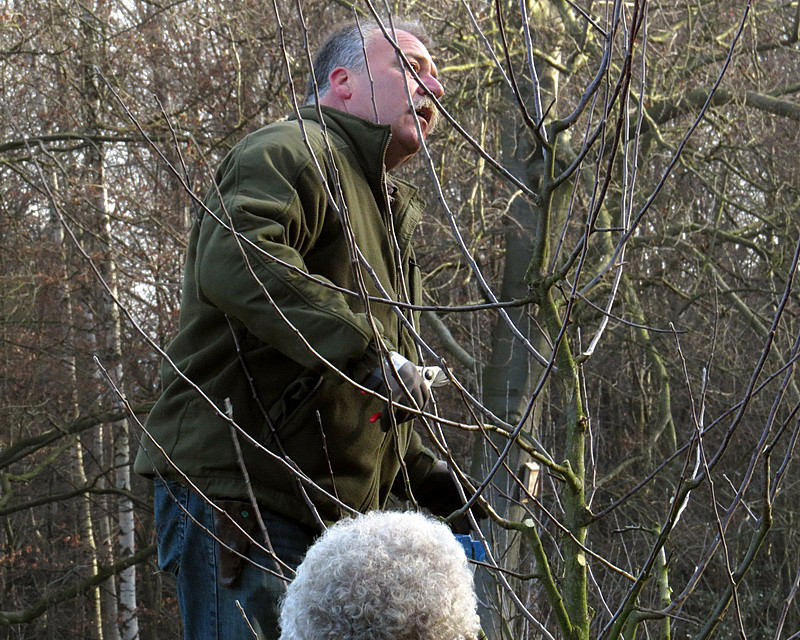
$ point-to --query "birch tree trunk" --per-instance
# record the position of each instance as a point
(123, 621)
(78, 468)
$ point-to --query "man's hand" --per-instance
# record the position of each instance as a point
(439, 494)
(405, 386)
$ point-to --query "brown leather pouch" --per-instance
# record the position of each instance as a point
(235, 542)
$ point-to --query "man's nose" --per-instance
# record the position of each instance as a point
(434, 86)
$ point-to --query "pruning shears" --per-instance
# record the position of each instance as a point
(432, 376)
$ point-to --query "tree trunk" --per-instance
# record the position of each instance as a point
(78, 468)
(123, 621)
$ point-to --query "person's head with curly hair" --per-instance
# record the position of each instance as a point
(382, 576)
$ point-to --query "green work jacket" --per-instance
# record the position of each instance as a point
(272, 315)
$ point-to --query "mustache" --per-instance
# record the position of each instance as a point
(429, 105)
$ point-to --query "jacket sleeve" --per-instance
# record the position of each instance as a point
(258, 276)
(419, 461)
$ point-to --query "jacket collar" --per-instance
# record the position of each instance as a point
(367, 140)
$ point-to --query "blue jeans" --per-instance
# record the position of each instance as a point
(192, 555)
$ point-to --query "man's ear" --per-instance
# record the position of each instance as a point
(340, 79)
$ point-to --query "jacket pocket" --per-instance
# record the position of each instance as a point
(294, 408)
(372, 498)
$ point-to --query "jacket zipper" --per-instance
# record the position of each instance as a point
(392, 235)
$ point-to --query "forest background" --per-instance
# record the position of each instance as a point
(610, 256)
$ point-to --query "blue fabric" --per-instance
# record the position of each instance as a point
(187, 550)
(472, 548)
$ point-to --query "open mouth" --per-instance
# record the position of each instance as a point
(426, 114)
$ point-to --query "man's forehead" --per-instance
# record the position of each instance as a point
(409, 44)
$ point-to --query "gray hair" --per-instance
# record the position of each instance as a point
(382, 576)
(344, 47)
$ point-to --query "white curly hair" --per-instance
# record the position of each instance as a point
(382, 576)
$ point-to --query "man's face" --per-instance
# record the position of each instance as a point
(389, 82)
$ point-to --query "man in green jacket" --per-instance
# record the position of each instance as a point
(275, 419)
